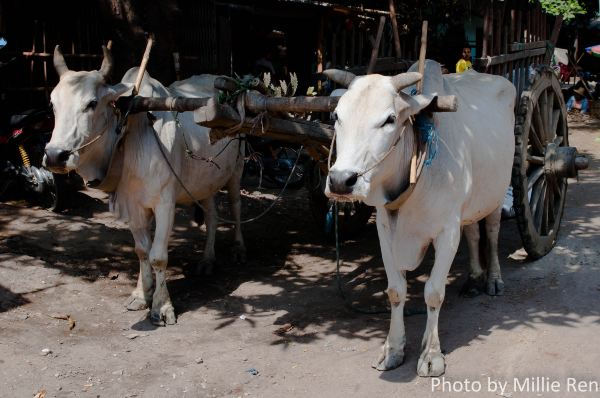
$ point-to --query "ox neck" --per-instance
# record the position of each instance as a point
(397, 184)
(95, 158)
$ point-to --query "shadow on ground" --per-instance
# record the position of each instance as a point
(288, 254)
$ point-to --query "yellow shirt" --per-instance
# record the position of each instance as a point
(462, 66)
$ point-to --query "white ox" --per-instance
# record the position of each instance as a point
(83, 105)
(465, 183)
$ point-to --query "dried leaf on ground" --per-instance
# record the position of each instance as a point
(40, 394)
(284, 329)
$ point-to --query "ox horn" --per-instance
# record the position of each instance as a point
(59, 62)
(107, 64)
(341, 77)
(404, 80)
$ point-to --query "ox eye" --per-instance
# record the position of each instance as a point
(91, 105)
(334, 116)
(390, 120)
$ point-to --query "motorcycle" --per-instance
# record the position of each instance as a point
(275, 164)
(22, 144)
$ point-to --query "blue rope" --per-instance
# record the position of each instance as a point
(429, 136)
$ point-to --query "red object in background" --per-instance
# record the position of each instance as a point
(565, 72)
(16, 133)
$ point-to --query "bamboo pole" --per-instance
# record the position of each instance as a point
(145, 59)
(376, 45)
(395, 29)
(422, 53)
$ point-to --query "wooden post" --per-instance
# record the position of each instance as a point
(553, 38)
(422, 54)
(487, 32)
(145, 59)
(46, 89)
(376, 45)
(343, 53)
(395, 29)
(320, 53)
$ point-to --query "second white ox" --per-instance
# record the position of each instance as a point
(84, 111)
(465, 182)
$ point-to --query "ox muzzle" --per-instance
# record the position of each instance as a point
(341, 182)
(55, 159)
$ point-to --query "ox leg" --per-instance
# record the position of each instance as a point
(210, 219)
(495, 284)
(431, 362)
(238, 251)
(141, 297)
(475, 282)
(162, 310)
(392, 352)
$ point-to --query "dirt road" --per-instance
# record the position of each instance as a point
(81, 263)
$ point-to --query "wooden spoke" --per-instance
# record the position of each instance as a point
(543, 111)
(550, 115)
(551, 206)
(545, 213)
(555, 119)
(535, 140)
(534, 177)
(535, 159)
(539, 124)
(537, 198)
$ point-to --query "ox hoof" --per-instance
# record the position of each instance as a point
(389, 358)
(473, 287)
(431, 364)
(135, 303)
(238, 253)
(495, 287)
(205, 267)
(165, 316)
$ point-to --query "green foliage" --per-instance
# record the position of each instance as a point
(567, 8)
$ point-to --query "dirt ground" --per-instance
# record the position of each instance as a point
(226, 341)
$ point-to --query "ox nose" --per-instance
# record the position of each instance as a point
(342, 182)
(56, 157)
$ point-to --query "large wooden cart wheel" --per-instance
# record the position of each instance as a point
(543, 162)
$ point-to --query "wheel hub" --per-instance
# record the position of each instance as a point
(563, 161)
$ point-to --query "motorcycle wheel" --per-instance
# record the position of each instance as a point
(50, 190)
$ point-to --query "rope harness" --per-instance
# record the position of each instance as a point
(240, 105)
(117, 112)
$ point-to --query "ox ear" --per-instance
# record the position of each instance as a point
(416, 103)
(341, 77)
(112, 93)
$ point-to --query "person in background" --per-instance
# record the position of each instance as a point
(578, 101)
(465, 62)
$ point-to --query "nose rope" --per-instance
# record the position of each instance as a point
(377, 163)
(72, 151)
